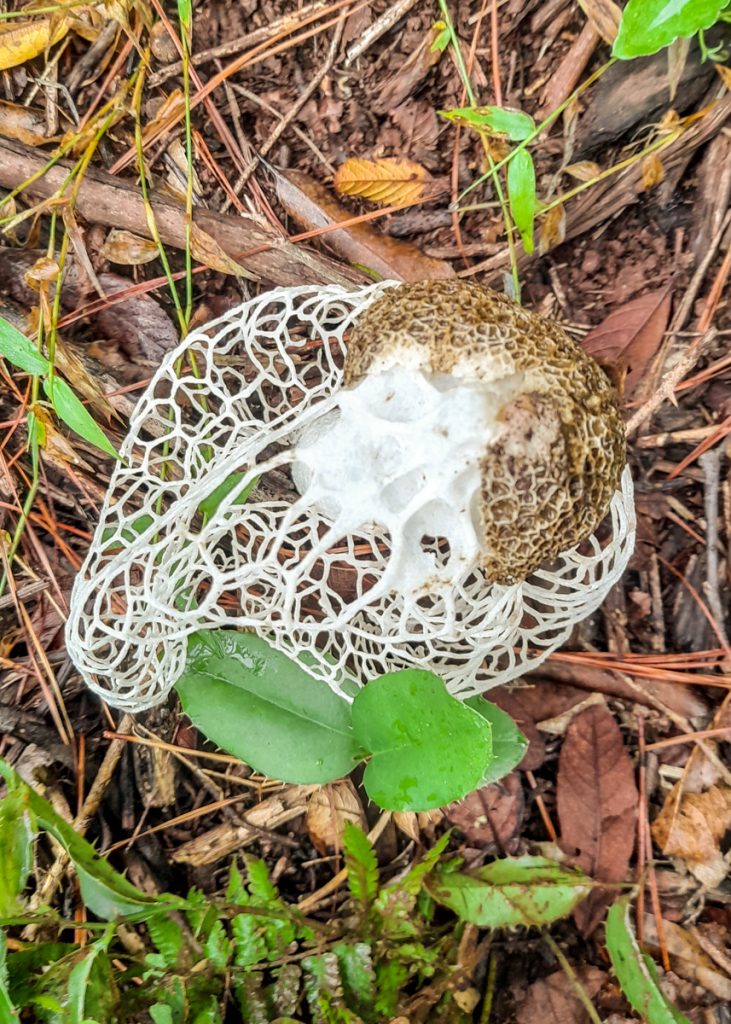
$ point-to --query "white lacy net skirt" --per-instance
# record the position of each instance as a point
(224, 411)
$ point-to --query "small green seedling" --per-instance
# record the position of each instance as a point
(649, 25)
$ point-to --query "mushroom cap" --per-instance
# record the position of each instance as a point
(549, 475)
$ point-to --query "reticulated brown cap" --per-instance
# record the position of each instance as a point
(550, 473)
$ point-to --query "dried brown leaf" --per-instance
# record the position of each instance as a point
(328, 810)
(491, 816)
(388, 181)
(127, 249)
(551, 1000)
(653, 171)
(24, 124)
(207, 251)
(725, 73)
(313, 206)
(553, 229)
(630, 336)
(690, 826)
(687, 958)
(138, 323)
(597, 803)
(604, 15)
(583, 170)
(677, 59)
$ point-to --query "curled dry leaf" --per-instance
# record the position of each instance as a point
(630, 336)
(130, 250)
(22, 41)
(207, 251)
(597, 804)
(411, 823)
(388, 181)
(138, 323)
(691, 826)
(583, 170)
(328, 809)
(687, 957)
(551, 1000)
(653, 171)
(553, 229)
(312, 206)
(24, 124)
(491, 816)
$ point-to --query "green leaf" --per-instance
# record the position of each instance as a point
(427, 748)
(649, 25)
(8, 1013)
(361, 865)
(72, 411)
(508, 742)
(92, 992)
(441, 42)
(209, 505)
(636, 972)
(167, 936)
(356, 971)
(510, 892)
(496, 120)
(263, 707)
(20, 351)
(522, 195)
(17, 831)
(107, 893)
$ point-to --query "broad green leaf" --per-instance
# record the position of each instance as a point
(496, 120)
(515, 891)
(636, 972)
(17, 831)
(522, 195)
(266, 709)
(361, 865)
(649, 25)
(427, 748)
(210, 504)
(20, 351)
(508, 742)
(72, 411)
(107, 893)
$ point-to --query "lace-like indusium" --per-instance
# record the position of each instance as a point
(214, 518)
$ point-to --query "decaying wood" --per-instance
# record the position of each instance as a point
(115, 202)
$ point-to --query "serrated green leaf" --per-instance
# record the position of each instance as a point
(217, 947)
(17, 832)
(636, 972)
(264, 707)
(20, 351)
(91, 987)
(516, 125)
(361, 865)
(508, 742)
(647, 26)
(72, 411)
(167, 936)
(514, 891)
(427, 749)
(357, 972)
(522, 195)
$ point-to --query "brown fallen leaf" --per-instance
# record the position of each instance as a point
(328, 809)
(206, 250)
(387, 181)
(653, 171)
(583, 170)
(312, 206)
(725, 73)
(491, 816)
(551, 1000)
(412, 823)
(690, 827)
(139, 323)
(128, 249)
(687, 958)
(22, 41)
(630, 336)
(597, 804)
(553, 229)
(24, 124)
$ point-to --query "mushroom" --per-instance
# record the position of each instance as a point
(439, 481)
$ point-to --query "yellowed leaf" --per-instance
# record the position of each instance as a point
(670, 122)
(207, 251)
(553, 229)
(583, 170)
(677, 58)
(127, 249)
(23, 41)
(653, 171)
(23, 124)
(43, 270)
(387, 181)
(328, 810)
(604, 15)
(725, 73)
(166, 114)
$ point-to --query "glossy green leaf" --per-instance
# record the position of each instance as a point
(522, 195)
(508, 742)
(20, 351)
(515, 891)
(649, 25)
(636, 972)
(72, 411)
(266, 709)
(427, 748)
(516, 125)
(17, 831)
(107, 893)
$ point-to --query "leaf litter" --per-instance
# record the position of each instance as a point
(617, 263)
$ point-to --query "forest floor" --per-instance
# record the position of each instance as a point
(627, 772)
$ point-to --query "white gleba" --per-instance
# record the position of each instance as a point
(360, 545)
